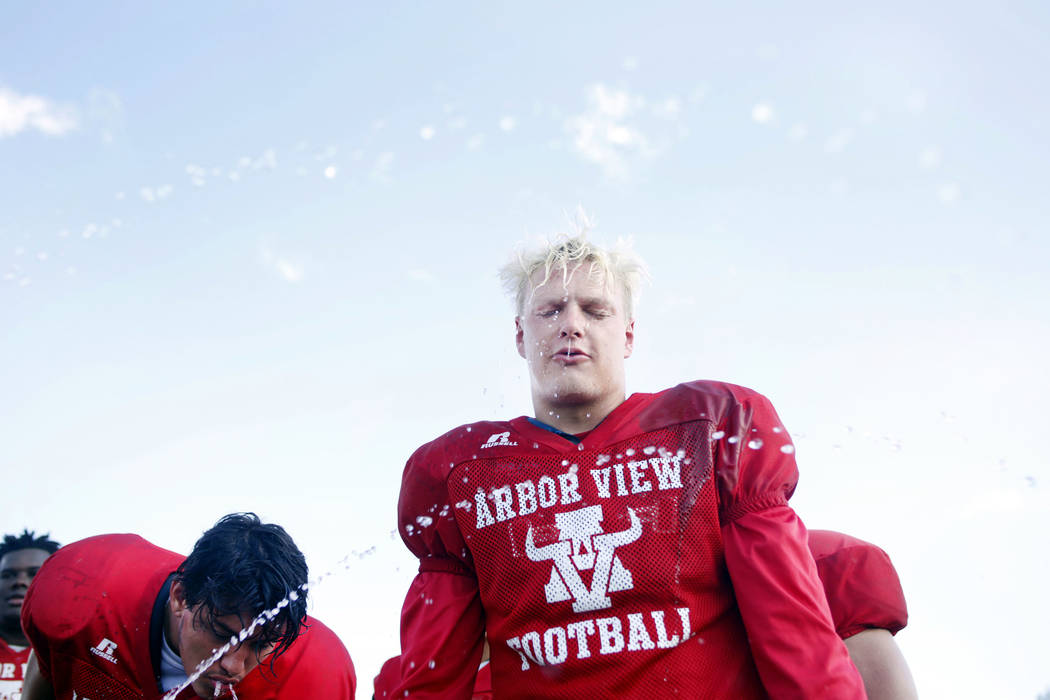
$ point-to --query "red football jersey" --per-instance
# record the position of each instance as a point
(12, 671)
(638, 563)
(860, 582)
(317, 665)
(88, 612)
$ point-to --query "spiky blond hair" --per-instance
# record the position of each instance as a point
(568, 254)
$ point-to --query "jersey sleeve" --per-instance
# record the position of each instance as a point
(317, 665)
(781, 600)
(860, 582)
(37, 640)
(442, 620)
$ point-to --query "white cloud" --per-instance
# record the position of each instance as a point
(286, 268)
(427, 132)
(507, 123)
(606, 133)
(630, 63)
(670, 108)
(155, 194)
(21, 112)
(798, 132)
(197, 174)
(762, 113)
(331, 171)
(475, 142)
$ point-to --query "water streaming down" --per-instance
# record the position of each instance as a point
(265, 616)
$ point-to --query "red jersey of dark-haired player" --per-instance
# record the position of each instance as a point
(859, 580)
(656, 556)
(94, 617)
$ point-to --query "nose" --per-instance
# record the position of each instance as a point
(238, 662)
(572, 322)
(22, 580)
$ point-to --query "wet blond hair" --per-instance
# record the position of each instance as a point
(615, 266)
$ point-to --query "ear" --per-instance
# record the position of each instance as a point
(629, 339)
(519, 335)
(177, 598)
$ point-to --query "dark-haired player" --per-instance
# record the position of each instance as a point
(612, 546)
(114, 616)
(21, 556)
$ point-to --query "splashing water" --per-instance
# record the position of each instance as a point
(261, 619)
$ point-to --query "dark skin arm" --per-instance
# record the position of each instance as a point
(35, 686)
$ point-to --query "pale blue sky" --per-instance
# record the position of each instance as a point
(248, 254)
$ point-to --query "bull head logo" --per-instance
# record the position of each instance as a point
(583, 545)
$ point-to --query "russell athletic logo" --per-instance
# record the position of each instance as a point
(499, 440)
(585, 546)
(106, 649)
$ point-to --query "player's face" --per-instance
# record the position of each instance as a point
(575, 337)
(196, 641)
(17, 570)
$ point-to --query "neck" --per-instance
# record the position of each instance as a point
(575, 419)
(13, 634)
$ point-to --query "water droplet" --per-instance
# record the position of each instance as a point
(629, 451)
(787, 449)
(425, 521)
(755, 444)
(649, 450)
(718, 435)
(733, 439)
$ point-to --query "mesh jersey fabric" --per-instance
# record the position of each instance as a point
(859, 580)
(601, 569)
(12, 670)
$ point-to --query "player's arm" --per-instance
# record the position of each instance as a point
(442, 621)
(36, 686)
(868, 608)
(882, 666)
(781, 600)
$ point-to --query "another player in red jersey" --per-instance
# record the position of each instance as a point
(21, 556)
(612, 546)
(114, 616)
(867, 606)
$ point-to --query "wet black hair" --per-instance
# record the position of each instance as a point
(243, 566)
(28, 540)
